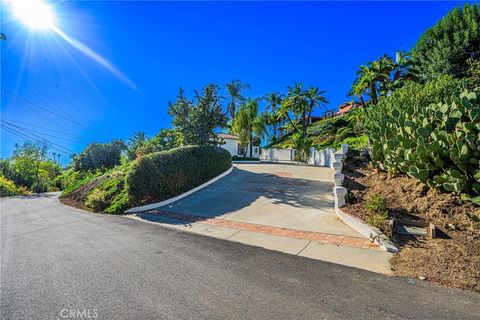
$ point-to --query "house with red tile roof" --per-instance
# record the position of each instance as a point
(346, 107)
(231, 143)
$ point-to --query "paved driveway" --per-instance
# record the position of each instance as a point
(284, 207)
(279, 195)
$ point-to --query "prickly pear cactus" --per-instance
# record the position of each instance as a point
(438, 144)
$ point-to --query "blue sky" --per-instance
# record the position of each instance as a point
(58, 93)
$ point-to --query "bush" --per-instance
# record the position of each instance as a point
(8, 188)
(376, 204)
(377, 209)
(344, 133)
(166, 174)
(96, 200)
(99, 156)
(356, 143)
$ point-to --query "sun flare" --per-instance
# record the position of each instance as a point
(35, 14)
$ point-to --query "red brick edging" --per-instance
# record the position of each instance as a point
(275, 231)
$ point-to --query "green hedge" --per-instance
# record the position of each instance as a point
(162, 175)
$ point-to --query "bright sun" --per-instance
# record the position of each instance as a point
(35, 14)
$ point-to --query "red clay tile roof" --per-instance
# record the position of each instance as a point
(227, 136)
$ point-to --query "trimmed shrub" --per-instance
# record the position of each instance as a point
(162, 175)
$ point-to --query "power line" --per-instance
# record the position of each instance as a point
(28, 60)
(36, 114)
(39, 127)
(39, 132)
(37, 138)
(56, 114)
(19, 134)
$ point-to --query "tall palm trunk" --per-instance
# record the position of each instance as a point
(374, 94)
(232, 109)
(251, 142)
(274, 121)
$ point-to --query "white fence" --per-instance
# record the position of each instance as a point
(278, 155)
(321, 158)
(325, 157)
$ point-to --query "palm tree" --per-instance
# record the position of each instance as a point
(383, 68)
(316, 98)
(273, 99)
(137, 140)
(248, 123)
(366, 81)
(404, 70)
(234, 89)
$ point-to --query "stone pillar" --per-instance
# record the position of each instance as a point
(340, 193)
(337, 167)
(338, 178)
(337, 157)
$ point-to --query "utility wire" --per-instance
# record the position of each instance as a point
(37, 138)
(37, 70)
(55, 113)
(40, 127)
(39, 132)
(21, 135)
(36, 114)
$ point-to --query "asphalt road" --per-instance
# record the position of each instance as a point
(55, 259)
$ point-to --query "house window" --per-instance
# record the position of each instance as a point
(242, 150)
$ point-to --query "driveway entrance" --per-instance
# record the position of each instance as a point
(283, 207)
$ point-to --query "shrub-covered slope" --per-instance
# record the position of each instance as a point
(332, 133)
(153, 178)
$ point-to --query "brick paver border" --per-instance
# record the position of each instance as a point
(275, 231)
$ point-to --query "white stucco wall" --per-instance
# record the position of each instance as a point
(275, 155)
(231, 146)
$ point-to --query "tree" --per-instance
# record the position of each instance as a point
(136, 141)
(196, 121)
(274, 100)
(315, 98)
(234, 89)
(381, 77)
(30, 166)
(248, 123)
(99, 156)
(404, 70)
(445, 48)
(299, 105)
(366, 82)
(165, 139)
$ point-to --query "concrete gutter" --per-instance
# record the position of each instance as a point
(372, 233)
(183, 195)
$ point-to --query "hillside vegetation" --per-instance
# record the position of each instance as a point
(331, 133)
(155, 177)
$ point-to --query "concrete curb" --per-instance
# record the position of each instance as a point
(183, 195)
(246, 161)
(372, 233)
